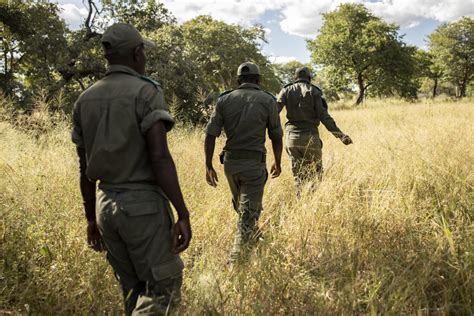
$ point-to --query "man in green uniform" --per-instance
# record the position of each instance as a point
(305, 109)
(119, 128)
(245, 114)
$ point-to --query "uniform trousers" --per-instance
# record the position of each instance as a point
(304, 149)
(136, 227)
(247, 194)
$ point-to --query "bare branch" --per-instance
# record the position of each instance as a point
(89, 20)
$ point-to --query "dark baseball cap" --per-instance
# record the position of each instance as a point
(303, 72)
(123, 36)
(248, 68)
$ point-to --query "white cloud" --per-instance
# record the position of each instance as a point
(243, 12)
(408, 13)
(298, 17)
(304, 18)
(281, 59)
(73, 15)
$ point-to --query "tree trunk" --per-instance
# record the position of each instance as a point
(435, 80)
(360, 83)
(462, 87)
(5, 61)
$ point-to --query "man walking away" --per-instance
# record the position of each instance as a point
(119, 128)
(245, 114)
(305, 109)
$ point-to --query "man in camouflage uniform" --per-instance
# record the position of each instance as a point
(245, 114)
(305, 109)
(119, 128)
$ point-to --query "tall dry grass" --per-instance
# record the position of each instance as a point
(388, 231)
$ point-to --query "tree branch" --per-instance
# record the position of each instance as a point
(89, 20)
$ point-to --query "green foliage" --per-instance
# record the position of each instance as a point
(334, 84)
(145, 15)
(178, 75)
(427, 68)
(32, 32)
(286, 72)
(452, 48)
(198, 60)
(194, 62)
(365, 51)
(218, 49)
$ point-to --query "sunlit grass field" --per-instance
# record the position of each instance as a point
(388, 231)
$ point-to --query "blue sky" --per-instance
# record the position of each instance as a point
(290, 22)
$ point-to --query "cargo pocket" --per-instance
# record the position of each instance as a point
(168, 270)
(140, 208)
(143, 213)
(141, 221)
(296, 138)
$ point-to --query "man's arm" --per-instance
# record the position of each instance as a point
(281, 100)
(209, 146)
(167, 178)
(277, 146)
(88, 189)
(329, 122)
(275, 133)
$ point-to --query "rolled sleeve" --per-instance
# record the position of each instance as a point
(76, 133)
(214, 127)
(274, 126)
(154, 109)
(155, 116)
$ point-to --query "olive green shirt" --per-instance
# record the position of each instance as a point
(245, 114)
(305, 108)
(110, 121)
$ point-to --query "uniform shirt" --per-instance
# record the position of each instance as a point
(110, 121)
(305, 108)
(245, 114)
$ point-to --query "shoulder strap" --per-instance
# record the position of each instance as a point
(317, 88)
(270, 94)
(155, 83)
(224, 93)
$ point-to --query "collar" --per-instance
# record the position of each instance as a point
(247, 85)
(302, 80)
(122, 69)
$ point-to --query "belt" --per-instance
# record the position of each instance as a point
(243, 155)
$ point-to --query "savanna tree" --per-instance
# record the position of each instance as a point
(452, 48)
(365, 51)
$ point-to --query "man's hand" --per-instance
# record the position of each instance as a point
(94, 239)
(275, 170)
(211, 177)
(181, 235)
(346, 140)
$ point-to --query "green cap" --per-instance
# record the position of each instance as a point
(303, 72)
(248, 68)
(123, 36)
